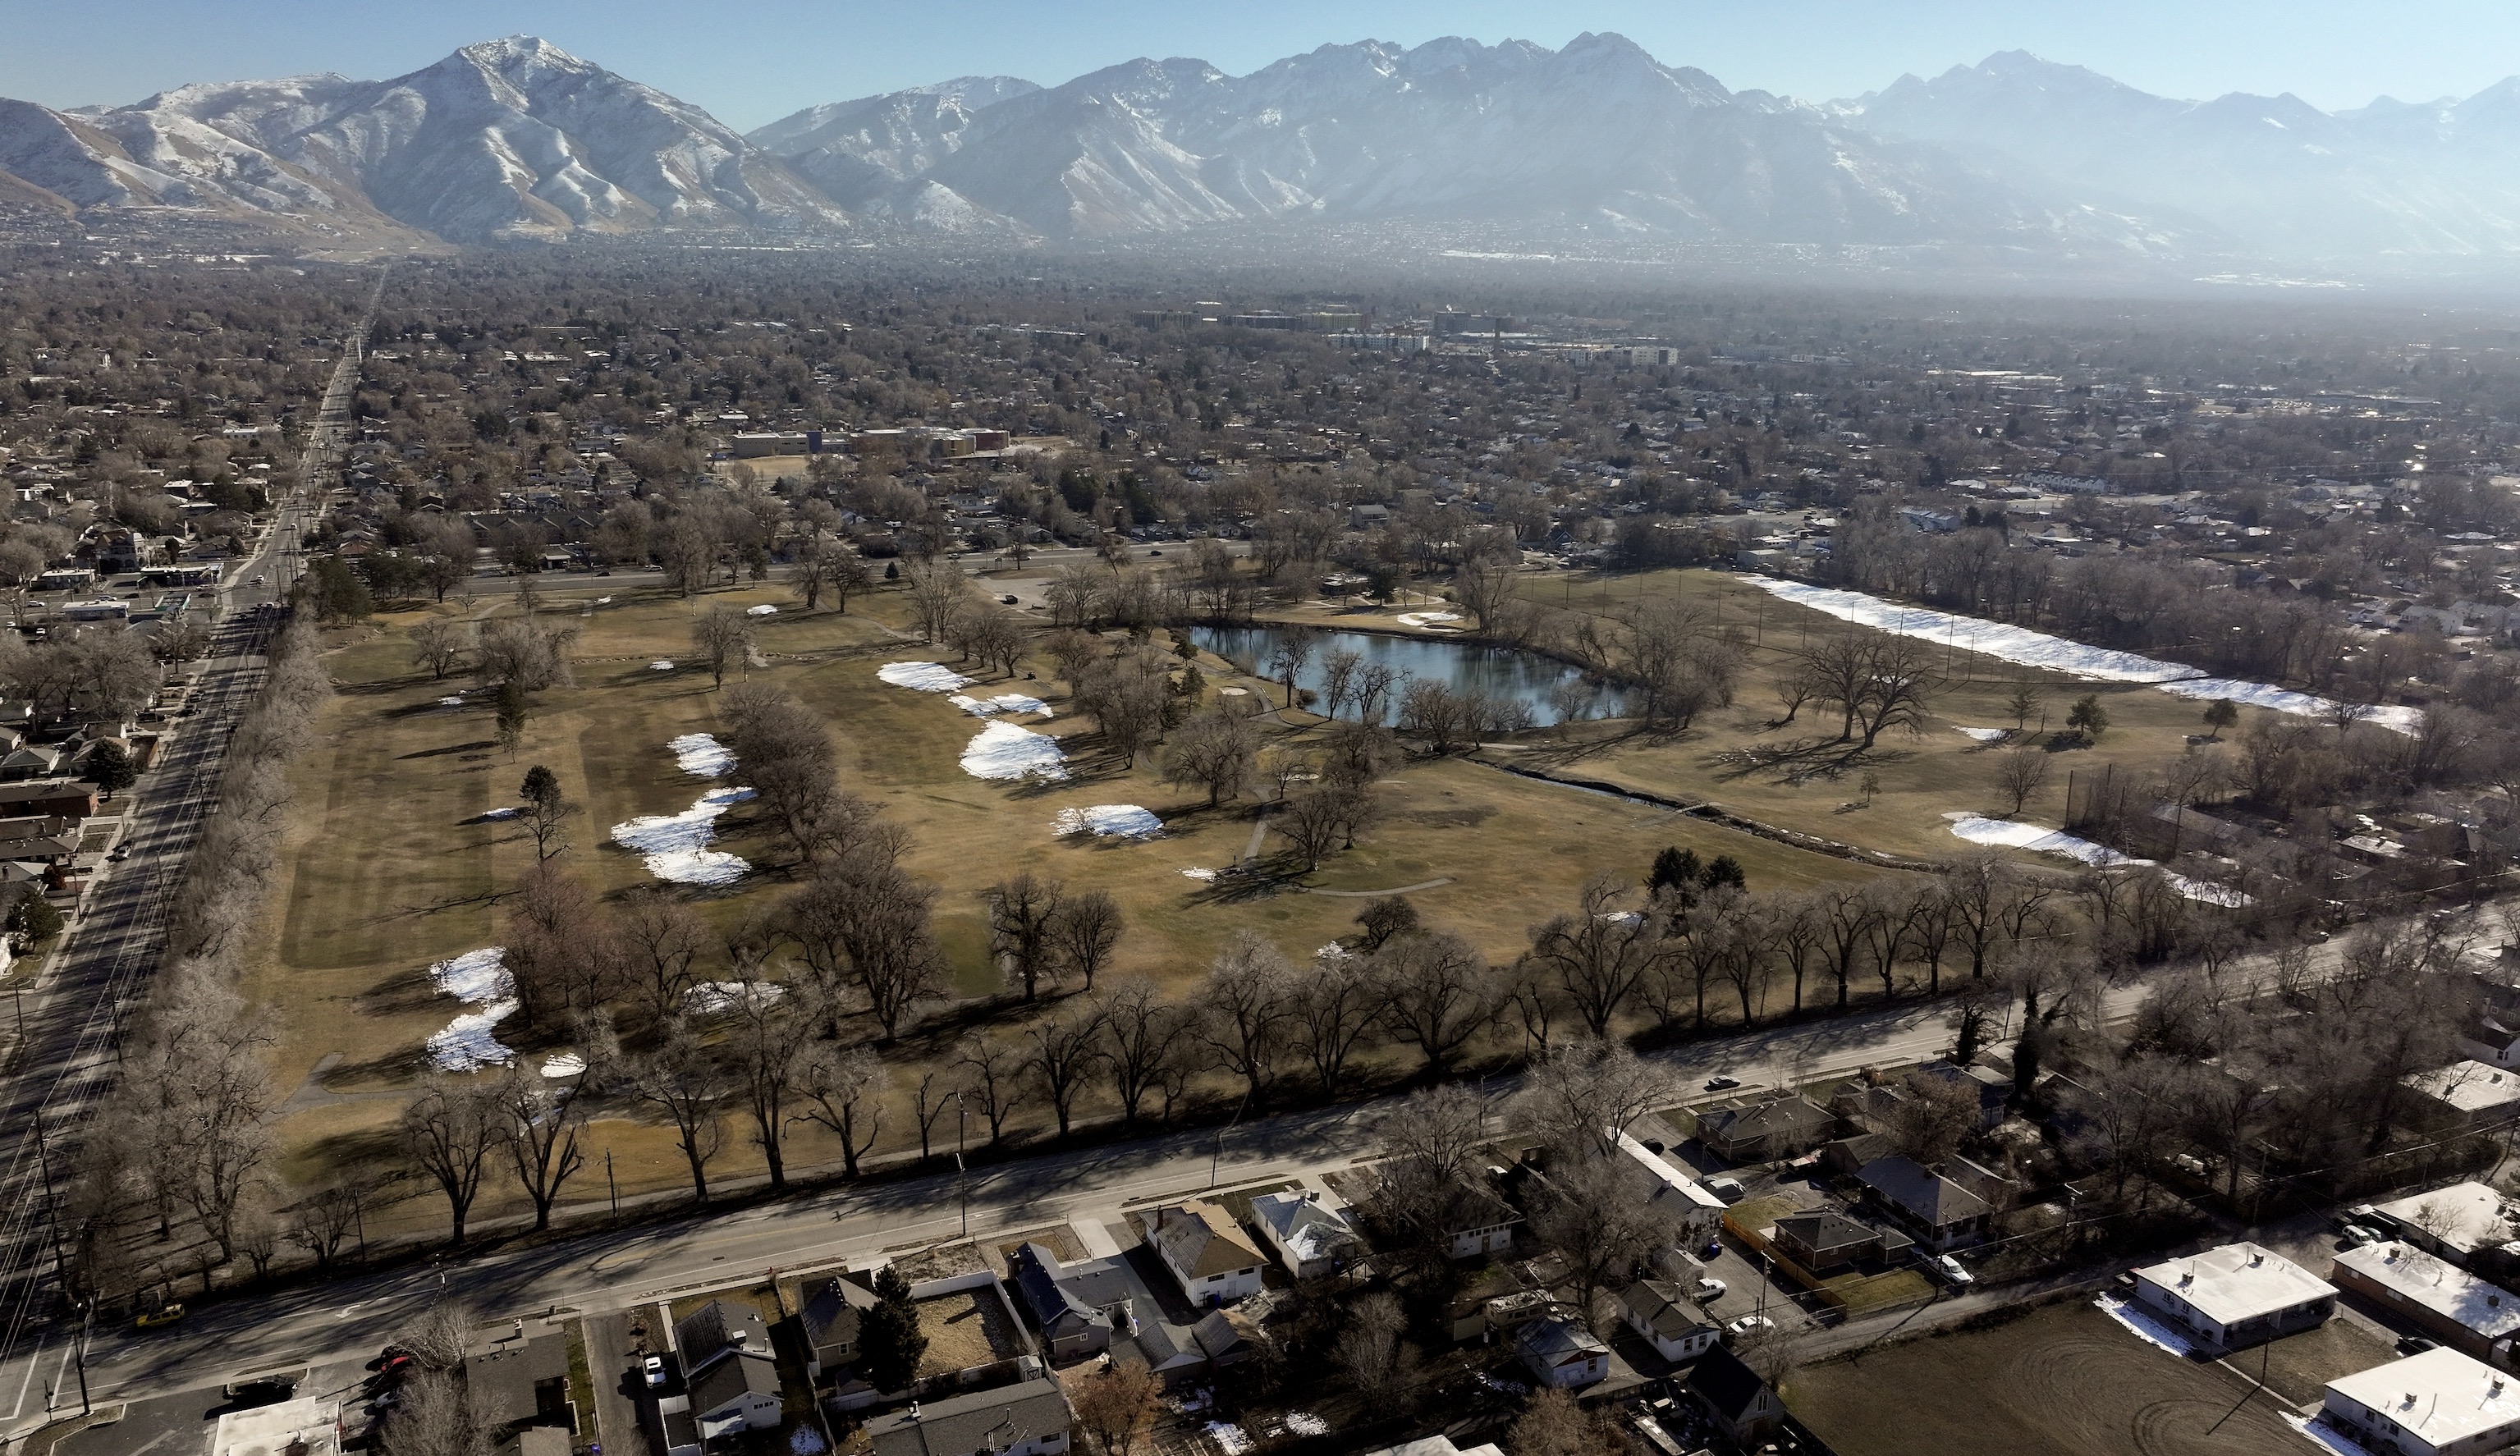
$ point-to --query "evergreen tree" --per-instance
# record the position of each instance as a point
(891, 1343)
(110, 769)
(1724, 870)
(540, 785)
(2089, 718)
(1674, 869)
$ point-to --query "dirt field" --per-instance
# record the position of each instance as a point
(965, 1330)
(2063, 1381)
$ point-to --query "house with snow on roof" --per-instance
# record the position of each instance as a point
(2433, 1404)
(1310, 1237)
(2236, 1295)
(1204, 1249)
(2437, 1297)
(1561, 1352)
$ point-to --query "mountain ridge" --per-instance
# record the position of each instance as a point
(516, 141)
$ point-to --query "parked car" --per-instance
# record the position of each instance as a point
(1009, 598)
(166, 1315)
(2355, 1236)
(1751, 1324)
(1722, 1083)
(654, 1368)
(1954, 1270)
(1711, 1289)
(1728, 1189)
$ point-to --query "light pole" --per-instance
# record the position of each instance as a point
(1218, 1157)
(961, 1177)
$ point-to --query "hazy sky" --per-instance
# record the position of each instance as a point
(752, 62)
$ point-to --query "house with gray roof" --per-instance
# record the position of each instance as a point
(1310, 1236)
(829, 1323)
(1081, 1308)
(1763, 1131)
(1031, 1418)
(1561, 1352)
(1935, 1211)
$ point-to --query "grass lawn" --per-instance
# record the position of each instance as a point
(2062, 1380)
(965, 1329)
(389, 864)
(1865, 1293)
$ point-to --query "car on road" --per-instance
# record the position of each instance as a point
(1711, 1289)
(165, 1316)
(654, 1368)
(120, 853)
(1954, 1270)
(260, 580)
(1722, 1083)
(1751, 1324)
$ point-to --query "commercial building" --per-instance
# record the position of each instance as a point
(2437, 1297)
(2235, 1296)
(2436, 1403)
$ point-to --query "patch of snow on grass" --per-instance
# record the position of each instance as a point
(1426, 619)
(477, 977)
(763, 610)
(1005, 702)
(1305, 1423)
(2059, 654)
(2317, 1429)
(1109, 820)
(1199, 872)
(660, 665)
(1987, 736)
(701, 755)
(563, 1064)
(2142, 1325)
(509, 813)
(676, 845)
(926, 676)
(710, 998)
(451, 702)
(1979, 829)
(1228, 1437)
(1005, 751)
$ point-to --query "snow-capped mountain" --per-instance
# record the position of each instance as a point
(516, 140)
(2268, 175)
(508, 140)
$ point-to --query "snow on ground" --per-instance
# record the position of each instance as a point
(1005, 702)
(710, 998)
(1199, 872)
(1305, 1423)
(1986, 735)
(450, 702)
(509, 813)
(926, 676)
(1109, 820)
(2142, 1325)
(1979, 829)
(676, 845)
(2317, 1430)
(1233, 692)
(2059, 654)
(660, 665)
(701, 755)
(470, 1042)
(561, 1064)
(763, 610)
(1006, 751)
(1428, 619)
(1228, 1437)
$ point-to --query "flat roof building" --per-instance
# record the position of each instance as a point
(2235, 1296)
(2447, 1302)
(2433, 1404)
(2453, 1222)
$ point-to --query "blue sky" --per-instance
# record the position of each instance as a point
(753, 62)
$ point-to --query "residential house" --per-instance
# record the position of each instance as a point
(2461, 1095)
(1992, 1086)
(1561, 1352)
(2451, 1222)
(1478, 1222)
(730, 1374)
(1763, 1131)
(2435, 1296)
(1178, 1352)
(1310, 1237)
(1080, 1309)
(1824, 1240)
(1934, 1210)
(1697, 1212)
(69, 801)
(1845, 1157)
(1031, 1418)
(515, 1382)
(2236, 1295)
(829, 1323)
(28, 762)
(1674, 1325)
(1736, 1399)
(1436, 1445)
(1206, 1252)
(2432, 1404)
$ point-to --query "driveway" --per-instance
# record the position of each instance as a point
(610, 1361)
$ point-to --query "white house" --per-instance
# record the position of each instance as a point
(2235, 1296)
(2433, 1404)
(1310, 1236)
(1666, 1319)
(1563, 1353)
(1206, 1252)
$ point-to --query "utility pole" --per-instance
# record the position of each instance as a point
(613, 1188)
(962, 1177)
(1218, 1157)
(87, 1315)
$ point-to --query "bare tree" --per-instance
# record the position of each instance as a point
(721, 637)
(1487, 588)
(1118, 1408)
(1369, 1351)
(1311, 824)
(1337, 1005)
(993, 1071)
(539, 1118)
(1287, 656)
(1218, 751)
(660, 938)
(1600, 954)
(679, 1078)
(439, 645)
(1062, 1050)
(2021, 772)
(1141, 1042)
(451, 1130)
(1339, 668)
(1430, 1144)
(1438, 993)
(1084, 931)
(1022, 911)
(938, 593)
(769, 1043)
(843, 1087)
(1243, 1007)
(1581, 1096)
(1589, 1215)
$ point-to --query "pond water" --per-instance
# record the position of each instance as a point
(1549, 687)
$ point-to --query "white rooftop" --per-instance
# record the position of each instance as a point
(2437, 1285)
(1302, 1223)
(2463, 1213)
(2470, 1087)
(2237, 1282)
(1667, 1181)
(307, 1427)
(2440, 1395)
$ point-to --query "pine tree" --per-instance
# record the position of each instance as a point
(891, 1343)
(1673, 868)
(110, 769)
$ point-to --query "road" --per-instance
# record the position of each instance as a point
(69, 1010)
